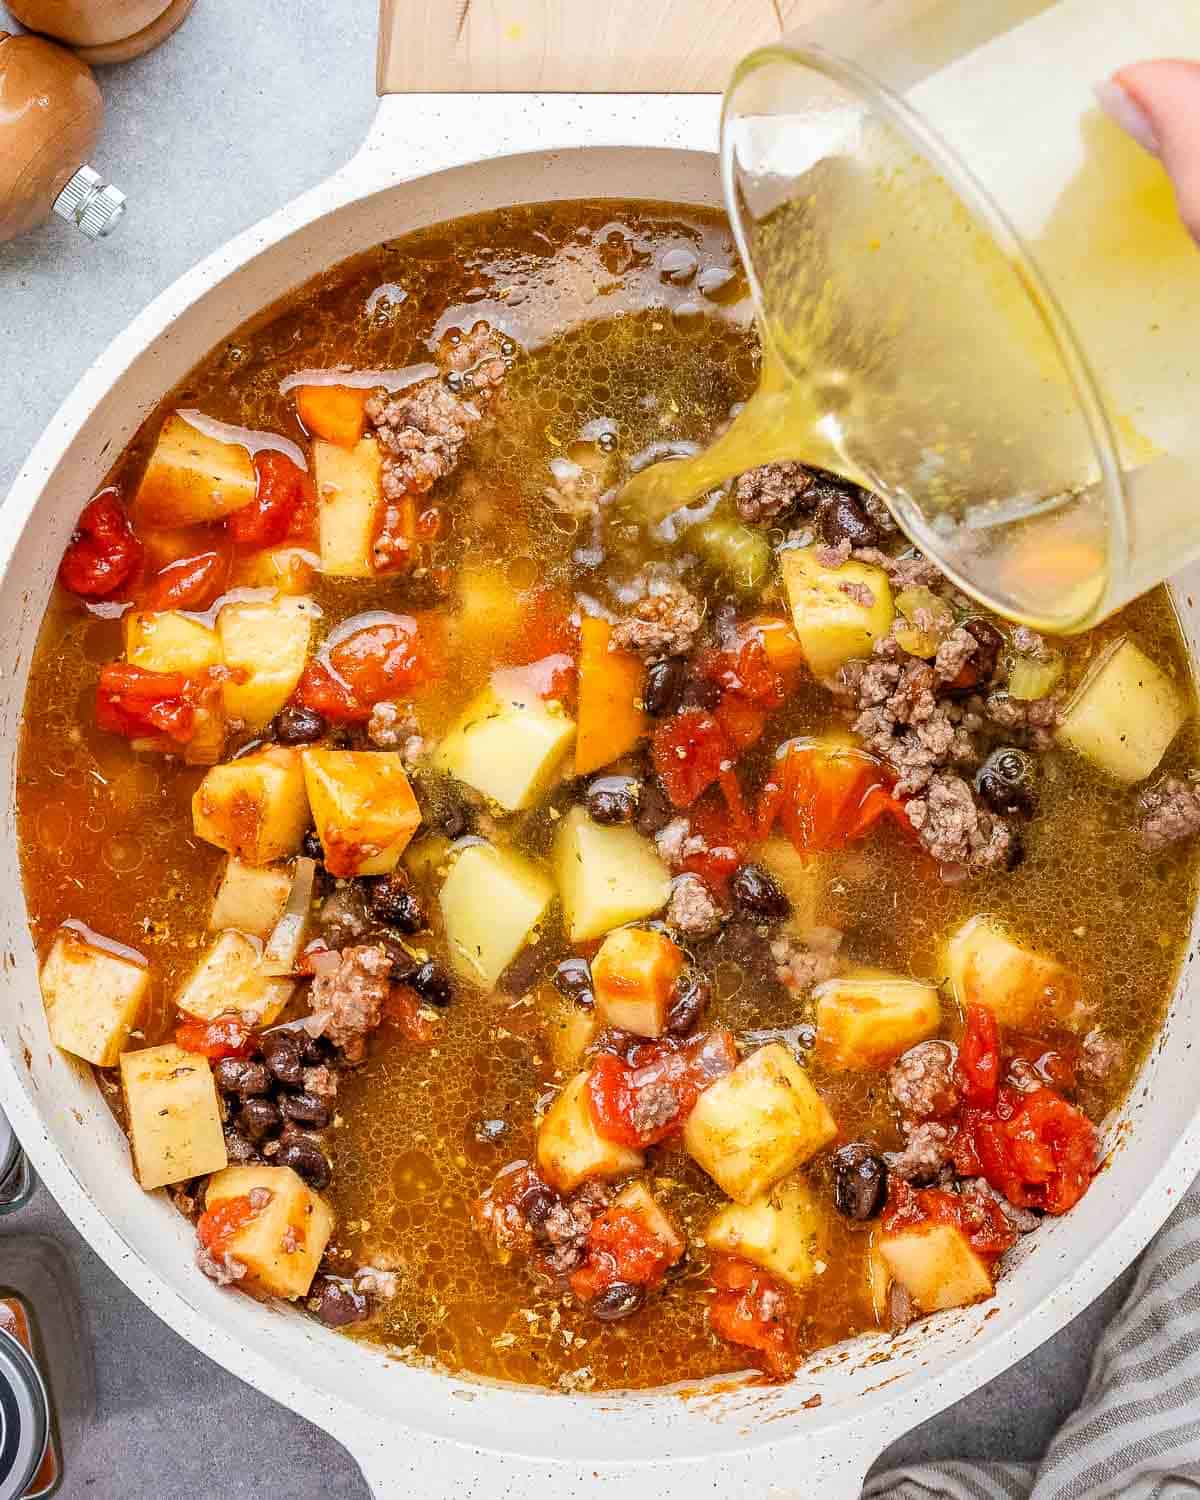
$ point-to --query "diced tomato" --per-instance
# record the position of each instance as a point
(403, 1008)
(978, 1066)
(620, 1247)
(752, 1309)
(725, 834)
(1056, 1061)
(189, 583)
(284, 505)
(103, 554)
(1035, 1148)
(981, 1219)
(614, 1084)
(818, 793)
(742, 720)
(879, 803)
(133, 702)
(217, 1226)
(745, 668)
(689, 752)
(387, 660)
(226, 1036)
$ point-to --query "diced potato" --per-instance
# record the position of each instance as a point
(193, 478)
(1022, 988)
(94, 998)
(611, 720)
(229, 979)
(172, 1113)
(636, 1198)
(167, 641)
(570, 1030)
(633, 978)
(867, 1017)
(265, 647)
(249, 898)
(336, 413)
(281, 1245)
(606, 876)
(491, 901)
(804, 880)
(207, 743)
(491, 612)
(758, 1123)
(507, 744)
(833, 626)
(255, 808)
(363, 807)
(569, 1147)
(287, 570)
(1124, 715)
(782, 1232)
(349, 498)
(936, 1265)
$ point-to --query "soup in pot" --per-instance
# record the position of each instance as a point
(558, 947)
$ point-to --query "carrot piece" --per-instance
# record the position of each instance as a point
(333, 412)
(610, 720)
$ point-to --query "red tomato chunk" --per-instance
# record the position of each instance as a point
(752, 1309)
(388, 660)
(104, 554)
(620, 1247)
(226, 1036)
(135, 703)
(646, 1097)
(189, 583)
(285, 504)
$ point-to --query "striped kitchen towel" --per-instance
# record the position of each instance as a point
(1136, 1433)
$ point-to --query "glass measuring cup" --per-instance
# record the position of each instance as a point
(974, 291)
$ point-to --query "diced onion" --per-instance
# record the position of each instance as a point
(287, 937)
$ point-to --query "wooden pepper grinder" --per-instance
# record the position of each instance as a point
(103, 31)
(50, 114)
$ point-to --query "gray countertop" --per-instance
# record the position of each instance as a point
(245, 107)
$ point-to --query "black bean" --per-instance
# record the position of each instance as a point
(283, 1054)
(980, 666)
(239, 1147)
(1007, 781)
(757, 892)
(844, 518)
(859, 1181)
(314, 1050)
(238, 1075)
(311, 846)
(295, 725)
(662, 687)
(620, 1299)
(305, 1109)
(404, 965)
(612, 799)
(535, 1203)
(306, 1159)
(392, 901)
(259, 1118)
(573, 980)
(692, 994)
(432, 983)
(654, 809)
(336, 1302)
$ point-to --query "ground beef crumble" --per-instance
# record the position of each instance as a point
(954, 829)
(664, 623)
(392, 724)
(1168, 813)
(921, 1080)
(763, 494)
(927, 1151)
(903, 721)
(693, 910)
(800, 968)
(224, 1269)
(347, 1004)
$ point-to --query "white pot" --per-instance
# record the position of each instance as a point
(416, 1432)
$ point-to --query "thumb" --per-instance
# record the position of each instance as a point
(1158, 103)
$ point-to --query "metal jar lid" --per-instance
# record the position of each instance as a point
(24, 1418)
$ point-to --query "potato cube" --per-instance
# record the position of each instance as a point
(363, 807)
(282, 1241)
(804, 880)
(192, 478)
(867, 1017)
(569, 1029)
(838, 613)
(507, 744)
(606, 876)
(569, 1147)
(936, 1265)
(250, 899)
(265, 646)
(1124, 714)
(1022, 988)
(491, 902)
(287, 570)
(94, 997)
(633, 977)
(166, 641)
(636, 1198)
(172, 1114)
(758, 1123)
(256, 807)
(349, 499)
(782, 1232)
(229, 980)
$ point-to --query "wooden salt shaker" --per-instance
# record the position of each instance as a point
(103, 31)
(50, 114)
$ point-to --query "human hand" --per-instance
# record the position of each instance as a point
(1158, 103)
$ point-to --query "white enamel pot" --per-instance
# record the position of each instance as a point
(417, 1432)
